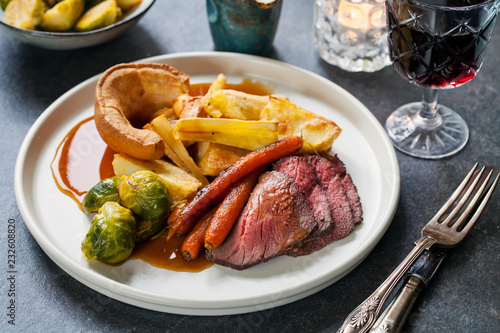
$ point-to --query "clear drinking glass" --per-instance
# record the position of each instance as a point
(435, 44)
(351, 34)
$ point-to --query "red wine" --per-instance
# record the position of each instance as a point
(426, 55)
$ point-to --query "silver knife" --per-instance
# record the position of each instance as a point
(417, 278)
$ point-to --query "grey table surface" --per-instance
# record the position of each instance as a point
(464, 295)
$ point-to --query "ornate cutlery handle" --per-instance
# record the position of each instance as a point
(362, 318)
(418, 277)
(393, 319)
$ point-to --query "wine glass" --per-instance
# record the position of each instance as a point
(435, 44)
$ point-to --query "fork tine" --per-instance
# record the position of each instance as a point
(455, 195)
(476, 190)
(451, 218)
(483, 203)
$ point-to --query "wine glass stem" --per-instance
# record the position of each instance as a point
(428, 116)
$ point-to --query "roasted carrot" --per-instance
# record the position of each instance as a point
(229, 210)
(215, 192)
(172, 222)
(193, 244)
(174, 214)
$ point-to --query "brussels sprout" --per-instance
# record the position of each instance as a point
(111, 237)
(147, 229)
(63, 15)
(24, 14)
(99, 16)
(104, 191)
(146, 195)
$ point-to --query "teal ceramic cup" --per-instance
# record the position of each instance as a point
(245, 26)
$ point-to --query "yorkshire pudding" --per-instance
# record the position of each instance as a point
(126, 95)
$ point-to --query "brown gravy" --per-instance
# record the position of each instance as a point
(160, 253)
(83, 159)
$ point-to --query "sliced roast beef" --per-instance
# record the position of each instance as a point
(275, 219)
(299, 168)
(331, 184)
(353, 197)
(343, 221)
(350, 188)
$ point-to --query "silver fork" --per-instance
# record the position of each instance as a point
(444, 230)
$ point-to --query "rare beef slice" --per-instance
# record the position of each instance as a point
(350, 188)
(275, 220)
(343, 220)
(304, 175)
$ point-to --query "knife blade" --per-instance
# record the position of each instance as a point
(417, 278)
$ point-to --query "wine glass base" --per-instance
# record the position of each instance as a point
(415, 136)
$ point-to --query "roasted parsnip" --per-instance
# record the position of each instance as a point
(161, 125)
(245, 134)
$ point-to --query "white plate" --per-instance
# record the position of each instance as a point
(59, 226)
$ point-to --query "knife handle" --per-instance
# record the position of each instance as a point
(394, 317)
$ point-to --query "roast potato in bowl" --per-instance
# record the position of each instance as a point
(73, 39)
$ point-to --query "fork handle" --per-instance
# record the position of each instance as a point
(394, 317)
(362, 318)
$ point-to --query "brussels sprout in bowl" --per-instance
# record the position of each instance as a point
(74, 39)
